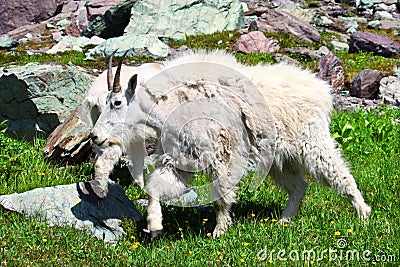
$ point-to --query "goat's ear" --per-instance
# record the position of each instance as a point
(132, 84)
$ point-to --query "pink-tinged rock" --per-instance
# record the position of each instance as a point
(56, 36)
(331, 70)
(256, 42)
(99, 7)
(17, 13)
(278, 21)
(366, 83)
(371, 42)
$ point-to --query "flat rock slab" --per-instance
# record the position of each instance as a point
(69, 206)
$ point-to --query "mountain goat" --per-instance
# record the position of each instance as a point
(297, 132)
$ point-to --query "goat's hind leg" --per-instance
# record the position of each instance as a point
(328, 165)
(291, 179)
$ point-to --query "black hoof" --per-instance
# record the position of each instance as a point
(97, 189)
(153, 235)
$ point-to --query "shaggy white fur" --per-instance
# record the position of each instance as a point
(300, 105)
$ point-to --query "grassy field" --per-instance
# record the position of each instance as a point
(327, 231)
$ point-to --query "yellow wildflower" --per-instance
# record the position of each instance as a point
(337, 233)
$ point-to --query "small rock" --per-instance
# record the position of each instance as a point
(56, 36)
(338, 46)
(387, 24)
(379, 15)
(256, 42)
(7, 42)
(364, 4)
(389, 90)
(183, 49)
(374, 24)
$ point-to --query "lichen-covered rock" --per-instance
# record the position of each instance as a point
(35, 98)
(7, 42)
(175, 19)
(138, 44)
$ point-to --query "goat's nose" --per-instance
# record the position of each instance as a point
(93, 136)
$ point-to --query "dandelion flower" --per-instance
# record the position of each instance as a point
(337, 233)
(136, 245)
(270, 261)
(332, 222)
(245, 244)
(349, 231)
(242, 260)
(44, 240)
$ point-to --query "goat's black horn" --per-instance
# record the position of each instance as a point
(117, 85)
(109, 71)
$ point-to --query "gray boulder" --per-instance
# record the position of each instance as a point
(35, 98)
(366, 84)
(371, 42)
(277, 21)
(73, 206)
(138, 44)
(17, 13)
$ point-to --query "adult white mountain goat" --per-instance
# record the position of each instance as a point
(297, 131)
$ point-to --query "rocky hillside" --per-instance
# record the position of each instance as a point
(352, 44)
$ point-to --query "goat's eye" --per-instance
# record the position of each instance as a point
(117, 103)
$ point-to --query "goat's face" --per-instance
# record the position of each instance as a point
(110, 127)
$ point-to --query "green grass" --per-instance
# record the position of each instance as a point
(325, 221)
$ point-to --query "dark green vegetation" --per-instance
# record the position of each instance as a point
(327, 225)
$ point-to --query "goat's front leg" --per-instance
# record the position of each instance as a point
(136, 162)
(103, 168)
(162, 184)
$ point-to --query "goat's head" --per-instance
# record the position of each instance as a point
(110, 126)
